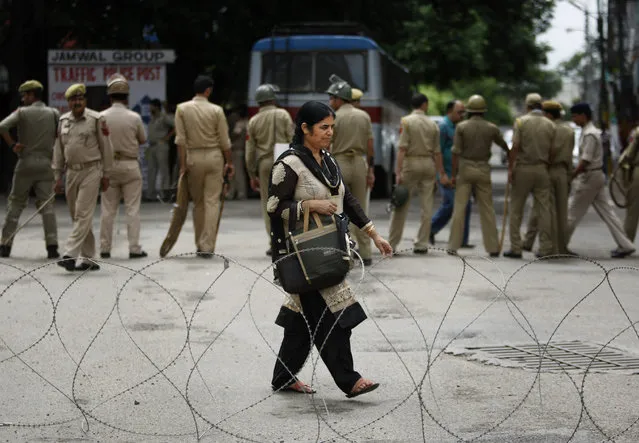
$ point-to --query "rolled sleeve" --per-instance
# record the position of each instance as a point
(404, 138)
(435, 141)
(11, 121)
(516, 132)
(589, 149)
(223, 131)
(180, 129)
(106, 148)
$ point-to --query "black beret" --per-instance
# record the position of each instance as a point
(581, 108)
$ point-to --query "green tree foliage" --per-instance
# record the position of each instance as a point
(492, 91)
(446, 41)
(437, 99)
(489, 88)
(441, 41)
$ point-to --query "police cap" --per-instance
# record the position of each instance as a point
(357, 94)
(30, 85)
(551, 105)
(533, 99)
(76, 89)
(581, 108)
(117, 84)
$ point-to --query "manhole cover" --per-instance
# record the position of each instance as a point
(572, 355)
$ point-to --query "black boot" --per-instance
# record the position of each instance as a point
(5, 250)
(52, 251)
(67, 263)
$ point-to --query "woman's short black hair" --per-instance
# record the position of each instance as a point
(202, 83)
(310, 113)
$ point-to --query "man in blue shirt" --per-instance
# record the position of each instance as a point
(454, 114)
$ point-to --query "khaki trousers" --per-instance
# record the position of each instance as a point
(82, 190)
(264, 175)
(30, 173)
(590, 189)
(354, 170)
(632, 211)
(419, 177)
(529, 179)
(237, 188)
(206, 182)
(559, 183)
(125, 183)
(474, 174)
(157, 159)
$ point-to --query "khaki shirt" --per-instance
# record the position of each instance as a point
(238, 133)
(126, 131)
(200, 124)
(535, 134)
(474, 139)
(419, 135)
(37, 129)
(269, 126)
(563, 145)
(590, 147)
(82, 140)
(353, 129)
(159, 127)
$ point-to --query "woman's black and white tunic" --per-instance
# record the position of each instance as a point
(296, 177)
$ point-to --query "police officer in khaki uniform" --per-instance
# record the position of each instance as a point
(560, 176)
(161, 128)
(127, 134)
(204, 148)
(630, 158)
(471, 152)
(528, 163)
(418, 159)
(84, 149)
(590, 183)
(269, 126)
(352, 147)
(37, 128)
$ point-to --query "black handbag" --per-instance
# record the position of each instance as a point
(317, 257)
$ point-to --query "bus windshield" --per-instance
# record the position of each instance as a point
(308, 72)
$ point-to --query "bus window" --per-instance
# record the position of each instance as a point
(351, 67)
(396, 82)
(293, 71)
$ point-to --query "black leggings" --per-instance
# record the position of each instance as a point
(296, 345)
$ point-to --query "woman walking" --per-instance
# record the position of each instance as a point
(307, 178)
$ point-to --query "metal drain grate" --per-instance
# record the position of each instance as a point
(572, 355)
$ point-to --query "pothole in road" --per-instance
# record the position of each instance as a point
(556, 356)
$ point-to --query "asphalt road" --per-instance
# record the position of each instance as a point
(169, 350)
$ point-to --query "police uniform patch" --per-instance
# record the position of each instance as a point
(105, 129)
